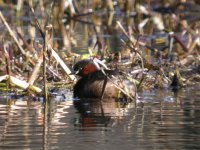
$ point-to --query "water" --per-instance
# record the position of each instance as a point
(162, 120)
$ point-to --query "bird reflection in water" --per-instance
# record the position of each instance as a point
(100, 112)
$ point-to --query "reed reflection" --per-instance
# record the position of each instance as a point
(21, 123)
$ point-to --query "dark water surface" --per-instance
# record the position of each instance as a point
(162, 120)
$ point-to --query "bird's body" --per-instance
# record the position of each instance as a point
(97, 83)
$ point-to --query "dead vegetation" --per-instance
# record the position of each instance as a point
(159, 46)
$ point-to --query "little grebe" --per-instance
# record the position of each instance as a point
(97, 83)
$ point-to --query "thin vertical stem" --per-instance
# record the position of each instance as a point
(44, 67)
(8, 67)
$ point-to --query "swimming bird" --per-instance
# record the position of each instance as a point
(97, 81)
